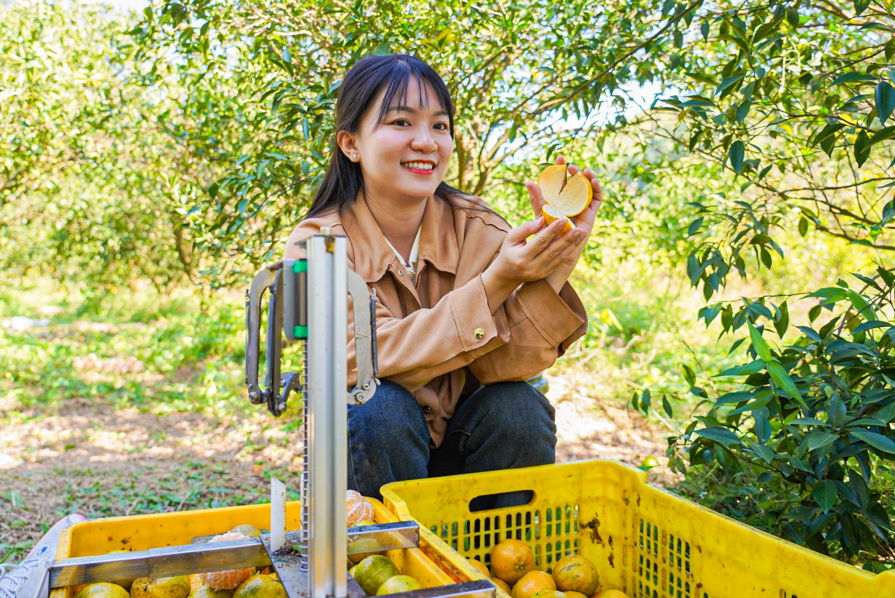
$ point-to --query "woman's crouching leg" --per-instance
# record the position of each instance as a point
(388, 440)
(505, 425)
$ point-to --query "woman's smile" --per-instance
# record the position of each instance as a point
(423, 167)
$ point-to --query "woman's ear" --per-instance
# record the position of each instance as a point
(348, 145)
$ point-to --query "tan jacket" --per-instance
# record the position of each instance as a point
(432, 335)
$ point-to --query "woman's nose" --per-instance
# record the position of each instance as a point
(424, 142)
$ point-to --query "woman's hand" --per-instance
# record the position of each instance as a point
(582, 222)
(521, 260)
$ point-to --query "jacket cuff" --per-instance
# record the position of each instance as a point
(555, 317)
(472, 315)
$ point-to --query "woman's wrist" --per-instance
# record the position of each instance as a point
(497, 289)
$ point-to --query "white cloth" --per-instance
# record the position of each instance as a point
(410, 265)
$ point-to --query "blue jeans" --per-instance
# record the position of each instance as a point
(500, 426)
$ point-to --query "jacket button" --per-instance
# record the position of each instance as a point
(400, 272)
(479, 333)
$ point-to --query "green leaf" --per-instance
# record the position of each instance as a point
(782, 322)
(720, 435)
(666, 406)
(694, 226)
(821, 439)
(761, 347)
(877, 441)
(737, 153)
(732, 80)
(779, 375)
(733, 398)
(825, 493)
(829, 131)
(851, 78)
(765, 452)
(882, 135)
(807, 421)
(740, 370)
(862, 148)
(870, 326)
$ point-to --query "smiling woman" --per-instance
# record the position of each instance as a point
(468, 308)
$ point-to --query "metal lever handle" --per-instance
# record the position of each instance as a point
(364, 340)
(262, 281)
(268, 279)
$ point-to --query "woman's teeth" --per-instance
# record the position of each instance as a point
(418, 165)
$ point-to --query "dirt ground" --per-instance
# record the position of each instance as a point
(92, 459)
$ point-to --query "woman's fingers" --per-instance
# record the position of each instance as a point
(549, 255)
(518, 235)
(535, 197)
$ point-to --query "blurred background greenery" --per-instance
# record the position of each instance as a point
(151, 161)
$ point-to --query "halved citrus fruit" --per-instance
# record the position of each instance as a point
(551, 215)
(567, 196)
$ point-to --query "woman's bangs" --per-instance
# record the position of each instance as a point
(399, 78)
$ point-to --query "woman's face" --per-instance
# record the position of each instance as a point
(406, 156)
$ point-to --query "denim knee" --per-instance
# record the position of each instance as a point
(388, 440)
(518, 410)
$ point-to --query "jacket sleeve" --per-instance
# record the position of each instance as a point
(541, 325)
(428, 343)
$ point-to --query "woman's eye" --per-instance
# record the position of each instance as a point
(441, 127)
(401, 122)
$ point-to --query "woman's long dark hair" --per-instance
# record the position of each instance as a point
(343, 178)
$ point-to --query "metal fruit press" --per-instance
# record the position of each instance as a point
(308, 302)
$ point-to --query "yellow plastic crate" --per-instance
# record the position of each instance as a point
(143, 532)
(645, 541)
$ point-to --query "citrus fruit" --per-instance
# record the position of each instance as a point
(275, 576)
(247, 530)
(550, 594)
(571, 594)
(511, 559)
(552, 214)
(102, 590)
(260, 586)
(208, 592)
(230, 579)
(613, 594)
(568, 197)
(163, 587)
(577, 574)
(397, 584)
(480, 566)
(648, 463)
(195, 582)
(359, 508)
(352, 571)
(532, 583)
(372, 572)
(362, 544)
(502, 585)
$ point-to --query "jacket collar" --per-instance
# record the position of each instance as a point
(372, 253)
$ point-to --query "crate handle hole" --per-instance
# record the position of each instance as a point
(501, 500)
